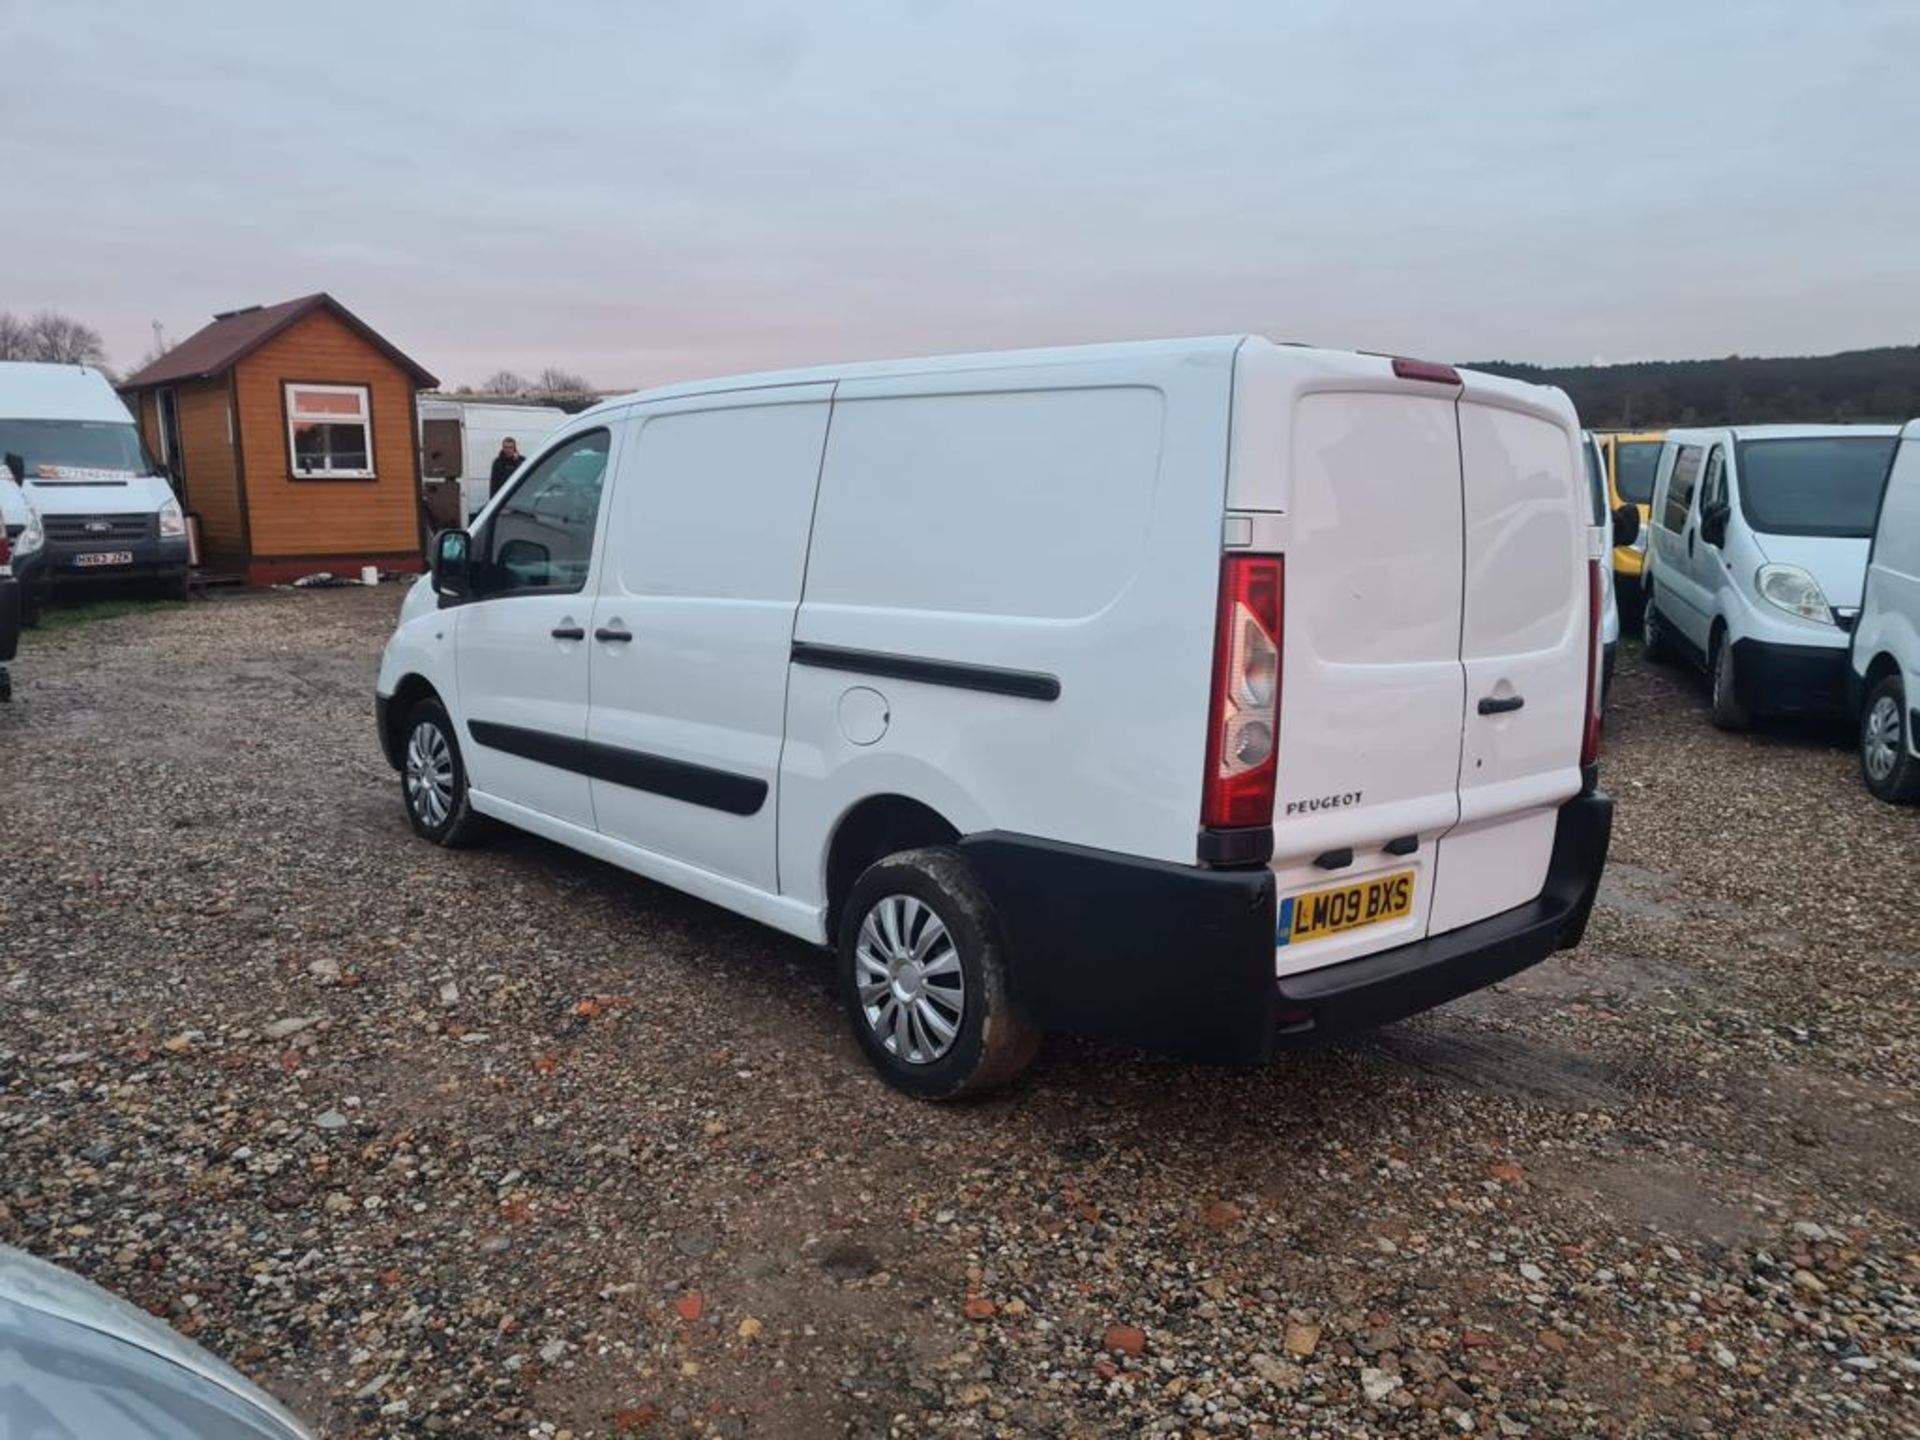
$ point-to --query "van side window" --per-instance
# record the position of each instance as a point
(1686, 474)
(1713, 489)
(542, 536)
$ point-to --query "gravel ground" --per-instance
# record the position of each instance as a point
(510, 1143)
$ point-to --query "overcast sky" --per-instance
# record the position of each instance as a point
(650, 191)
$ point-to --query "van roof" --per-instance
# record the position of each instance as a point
(30, 390)
(1217, 348)
(1704, 434)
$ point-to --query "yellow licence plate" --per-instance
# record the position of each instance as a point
(1339, 908)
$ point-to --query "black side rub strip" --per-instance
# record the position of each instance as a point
(675, 779)
(1025, 684)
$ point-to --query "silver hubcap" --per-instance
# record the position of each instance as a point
(912, 990)
(1881, 744)
(429, 773)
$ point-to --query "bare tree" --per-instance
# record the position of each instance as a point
(503, 382)
(61, 340)
(16, 340)
(555, 381)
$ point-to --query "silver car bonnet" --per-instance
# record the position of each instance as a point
(78, 1362)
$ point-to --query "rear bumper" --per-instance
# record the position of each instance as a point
(1791, 679)
(1180, 960)
(1396, 983)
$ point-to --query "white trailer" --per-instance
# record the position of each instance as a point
(460, 437)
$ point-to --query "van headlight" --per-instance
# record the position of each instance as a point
(173, 522)
(1793, 590)
(30, 538)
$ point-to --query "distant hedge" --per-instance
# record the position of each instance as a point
(1881, 384)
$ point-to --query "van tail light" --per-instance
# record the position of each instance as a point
(1243, 726)
(1590, 738)
(6, 549)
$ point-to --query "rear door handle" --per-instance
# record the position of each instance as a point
(568, 632)
(1501, 705)
(613, 636)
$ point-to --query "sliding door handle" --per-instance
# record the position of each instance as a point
(613, 637)
(1502, 705)
(568, 632)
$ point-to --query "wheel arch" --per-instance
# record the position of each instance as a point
(870, 830)
(412, 689)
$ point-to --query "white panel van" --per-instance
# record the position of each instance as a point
(1206, 695)
(107, 510)
(459, 439)
(1758, 552)
(1884, 676)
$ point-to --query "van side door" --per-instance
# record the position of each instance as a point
(1708, 568)
(1675, 539)
(520, 645)
(693, 626)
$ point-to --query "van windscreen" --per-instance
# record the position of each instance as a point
(1821, 485)
(1634, 464)
(75, 451)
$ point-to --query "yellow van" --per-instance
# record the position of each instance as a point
(1632, 457)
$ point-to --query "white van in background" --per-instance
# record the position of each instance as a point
(107, 511)
(1622, 527)
(1199, 694)
(1884, 676)
(27, 540)
(460, 437)
(1759, 551)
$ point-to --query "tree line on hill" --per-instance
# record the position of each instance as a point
(1856, 385)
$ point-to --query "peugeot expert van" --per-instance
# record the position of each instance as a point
(108, 511)
(1884, 677)
(1759, 551)
(1200, 694)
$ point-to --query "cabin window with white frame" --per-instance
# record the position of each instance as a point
(330, 431)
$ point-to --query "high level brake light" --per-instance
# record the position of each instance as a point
(1243, 728)
(1590, 737)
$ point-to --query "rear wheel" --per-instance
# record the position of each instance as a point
(1886, 763)
(1654, 641)
(433, 779)
(923, 974)
(1728, 712)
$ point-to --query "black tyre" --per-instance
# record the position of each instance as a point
(433, 779)
(1886, 765)
(1654, 642)
(33, 606)
(1728, 712)
(923, 974)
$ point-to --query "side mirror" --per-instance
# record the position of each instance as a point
(451, 564)
(1626, 524)
(1713, 525)
(17, 467)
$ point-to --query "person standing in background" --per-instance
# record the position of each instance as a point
(504, 464)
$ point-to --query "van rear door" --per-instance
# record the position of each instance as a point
(1523, 646)
(1365, 466)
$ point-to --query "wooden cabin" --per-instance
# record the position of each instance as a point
(291, 431)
